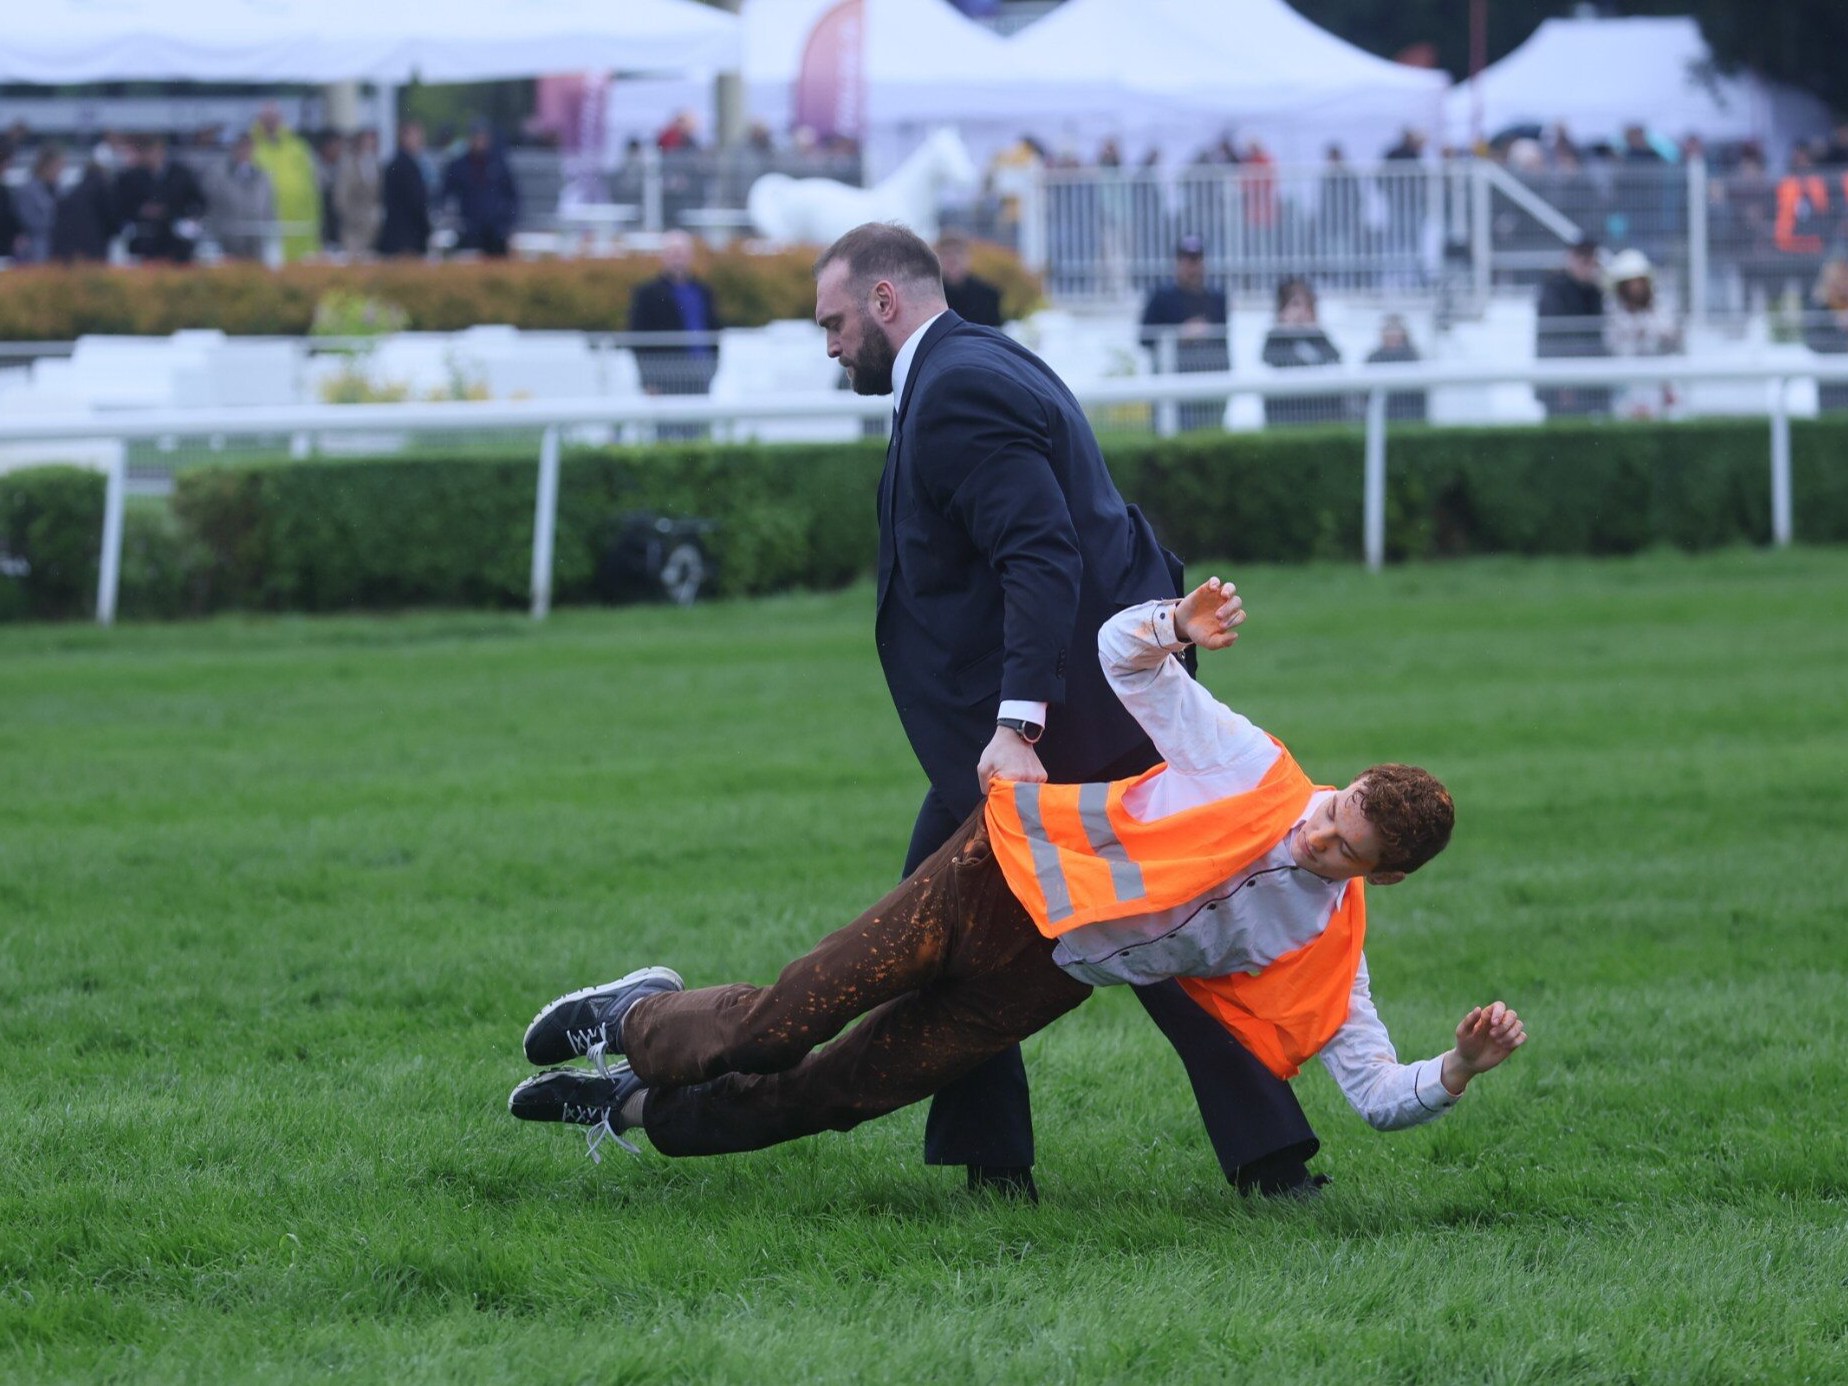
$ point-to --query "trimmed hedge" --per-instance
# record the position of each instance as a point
(52, 518)
(58, 302)
(1569, 487)
(326, 536)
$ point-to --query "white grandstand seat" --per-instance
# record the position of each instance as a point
(780, 358)
(528, 365)
(248, 374)
(109, 372)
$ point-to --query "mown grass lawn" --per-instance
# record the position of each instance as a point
(277, 898)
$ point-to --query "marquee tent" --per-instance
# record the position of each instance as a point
(1187, 71)
(1596, 76)
(56, 42)
(1167, 73)
(920, 64)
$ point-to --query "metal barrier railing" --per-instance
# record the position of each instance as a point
(1375, 383)
(1727, 240)
(1108, 233)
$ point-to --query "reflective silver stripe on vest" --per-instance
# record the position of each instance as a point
(1093, 813)
(1094, 817)
(1046, 867)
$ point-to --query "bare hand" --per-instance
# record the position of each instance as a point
(1010, 756)
(1486, 1036)
(1210, 614)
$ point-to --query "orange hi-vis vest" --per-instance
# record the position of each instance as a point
(1073, 855)
(1802, 200)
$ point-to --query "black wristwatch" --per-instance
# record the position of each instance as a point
(1029, 732)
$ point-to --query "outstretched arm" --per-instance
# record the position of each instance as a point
(1209, 616)
(1194, 731)
(1392, 1095)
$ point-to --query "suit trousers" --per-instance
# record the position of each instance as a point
(943, 973)
(1252, 1117)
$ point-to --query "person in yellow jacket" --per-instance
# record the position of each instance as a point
(290, 164)
(1223, 866)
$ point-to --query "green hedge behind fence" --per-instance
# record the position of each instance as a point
(384, 534)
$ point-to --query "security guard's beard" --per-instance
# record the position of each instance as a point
(870, 371)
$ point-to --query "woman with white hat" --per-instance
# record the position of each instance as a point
(1637, 326)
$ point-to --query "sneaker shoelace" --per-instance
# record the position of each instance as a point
(583, 1041)
(598, 1054)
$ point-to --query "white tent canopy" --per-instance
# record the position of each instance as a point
(921, 58)
(1595, 76)
(1168, 73)
(925, 64)
(1187, 71)
(56, 42)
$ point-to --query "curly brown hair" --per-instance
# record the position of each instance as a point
(1410, 810)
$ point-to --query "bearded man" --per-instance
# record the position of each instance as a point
(1004, 546)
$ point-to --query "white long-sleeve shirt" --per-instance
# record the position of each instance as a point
(1270, 908)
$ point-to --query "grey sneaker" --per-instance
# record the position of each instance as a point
(581, 1097)
(591, 1019)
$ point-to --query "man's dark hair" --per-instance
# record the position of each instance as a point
(1411, 811)
(883, 250)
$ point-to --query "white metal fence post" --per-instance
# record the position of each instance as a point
(1780, 464)
(1034, 233)
(109, 568)
(651, 188)
(1697, 239)
(1167, 362)
(1482, 244)
(1373, 500)
(545, 523)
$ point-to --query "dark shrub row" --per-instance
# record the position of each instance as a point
(390, 533)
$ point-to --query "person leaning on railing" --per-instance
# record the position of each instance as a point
(1184, 323)
(1569, 322)
(1296, 339)
(1638, 325)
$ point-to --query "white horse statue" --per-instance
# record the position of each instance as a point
(818, 210)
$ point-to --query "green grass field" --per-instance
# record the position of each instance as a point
(278, 897)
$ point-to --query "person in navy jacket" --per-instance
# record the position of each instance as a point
(1003, 546)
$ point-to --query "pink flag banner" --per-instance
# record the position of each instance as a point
(831, 83)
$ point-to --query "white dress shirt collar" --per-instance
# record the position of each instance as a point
(901, 364)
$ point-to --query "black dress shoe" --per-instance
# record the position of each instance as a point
(1304, 1190)
(1009, 1181)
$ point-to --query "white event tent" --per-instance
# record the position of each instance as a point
(57, 42)
(1189, 71)
(1595, 76)
(924, 64)
(1173, 74)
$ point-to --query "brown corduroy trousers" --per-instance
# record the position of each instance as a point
(942, 973)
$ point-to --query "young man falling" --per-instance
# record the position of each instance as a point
(1225, 867)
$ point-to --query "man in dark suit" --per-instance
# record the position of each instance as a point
(161, 202)
(970, 297)
(405, 197)
(1003, 547)
(676, 300)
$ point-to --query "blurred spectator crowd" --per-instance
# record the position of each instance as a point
(268, 193)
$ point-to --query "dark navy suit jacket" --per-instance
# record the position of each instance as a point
(1003, 546)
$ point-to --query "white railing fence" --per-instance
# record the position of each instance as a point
(549, 417)
(1722, 239)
